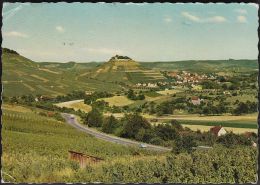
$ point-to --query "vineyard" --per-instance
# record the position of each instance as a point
(35, 149)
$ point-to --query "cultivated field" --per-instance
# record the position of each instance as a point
(193, 117)
(76, 105)
(207, 128)
(118, 101)
(32, 149)
(169, 92)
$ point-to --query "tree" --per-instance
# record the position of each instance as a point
(176, 125)
(133, 123)
(140, 97)
(131, 94)
(184, 144)
(94, 118)
(166, 132)
(109, 124)
(241, 108)
(231, 139)
(145, 135)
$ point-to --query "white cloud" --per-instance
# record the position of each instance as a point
(60, 29)
(241, 11)
(108, 51)
(15, 34)
(167, 19)
(191, 17)
(214, 19)
(241, 19)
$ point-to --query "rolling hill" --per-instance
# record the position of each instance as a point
(23, 76)
(124, 69)
(205, 65)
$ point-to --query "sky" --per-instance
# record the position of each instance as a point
(85, 32)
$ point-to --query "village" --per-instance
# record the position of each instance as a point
(178, 79)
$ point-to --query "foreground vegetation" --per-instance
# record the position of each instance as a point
(32, 152)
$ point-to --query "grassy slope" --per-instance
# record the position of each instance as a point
(205, 66)
(35, 148)
(23, 76)
(128, 72)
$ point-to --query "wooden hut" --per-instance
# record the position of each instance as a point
(83, 159)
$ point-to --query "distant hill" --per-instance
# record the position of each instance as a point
(124, 69)
(205, 65)
(23, 76)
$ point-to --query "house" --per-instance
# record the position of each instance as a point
(218, 130)
(195, 100)
(83, 159)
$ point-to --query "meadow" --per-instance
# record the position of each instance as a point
(76, 105)
(117, 101)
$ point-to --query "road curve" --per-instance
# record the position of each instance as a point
(74, 122)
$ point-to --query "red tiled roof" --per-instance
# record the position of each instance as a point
(215, 129)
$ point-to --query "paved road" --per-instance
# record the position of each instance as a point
(74, 122)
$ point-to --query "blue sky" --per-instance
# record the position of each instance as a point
(144, 32)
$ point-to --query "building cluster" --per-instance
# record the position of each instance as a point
(146, 85)
(187, 77)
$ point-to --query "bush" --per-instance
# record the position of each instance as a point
(109, 124)
(231, 139)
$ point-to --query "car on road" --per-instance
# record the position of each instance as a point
(142, 145)
(72, 117)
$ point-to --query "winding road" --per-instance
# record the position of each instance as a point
(72, 120)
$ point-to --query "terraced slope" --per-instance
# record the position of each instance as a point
(127, 71)
(24, 76)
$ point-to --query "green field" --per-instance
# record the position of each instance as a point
(205, 65)
(234, 124)
(118, 101)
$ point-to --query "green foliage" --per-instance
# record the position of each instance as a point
(6, 50)
(209, 85)
(74, 95)
(89, 99)
(110, 124)
(94, 118)
(166, 132)
(132, 124)
(231, 139)
(184, 144)
(132, 96)
(245, 108)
